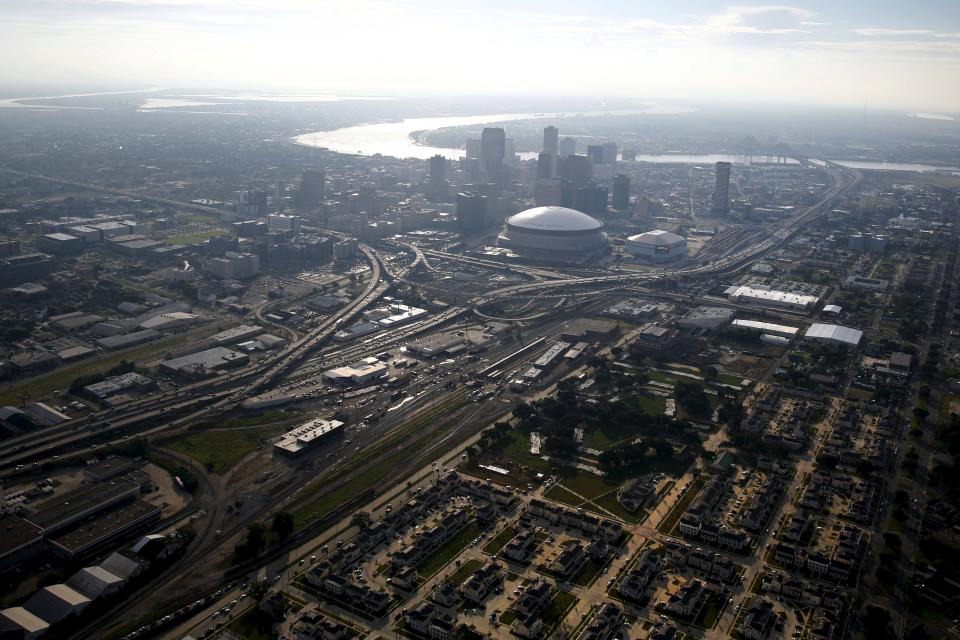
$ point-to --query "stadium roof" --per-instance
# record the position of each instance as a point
(554, 219)
(657, 236)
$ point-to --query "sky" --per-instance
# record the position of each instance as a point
(898, 54)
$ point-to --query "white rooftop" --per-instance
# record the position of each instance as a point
(834, 333)
(554, 219)
(657, 236)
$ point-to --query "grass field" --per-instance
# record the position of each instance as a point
(557, 609)
(499, 541)
(559, 494)
(464, 570)
(220, 449)
(447, 551)
(195, 238)
(610, 503)
(668, 523)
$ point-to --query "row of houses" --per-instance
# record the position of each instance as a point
(610, 530)
(606, 623)
(311, 624)
(838, 563)
(528, 606)
(761, 503)
(432, 621)
(713, 565)
(376, 603)
(431, 539)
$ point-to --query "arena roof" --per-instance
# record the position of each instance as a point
(554, 219)
(657, 236)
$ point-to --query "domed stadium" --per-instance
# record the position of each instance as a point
(553, 233)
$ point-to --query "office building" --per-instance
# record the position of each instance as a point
(621, 192)
(493, 148)
(551, 140)
(283, 223)
(609, 153)
(471, 212)
(568, 147)
(546, 165)
(595, 153)
(591, 199)
(437, 186)
(548, 192)
(313, 187)
(250, 203)
(578, 170)
(721, 191)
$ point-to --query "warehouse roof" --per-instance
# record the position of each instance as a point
(834, 333)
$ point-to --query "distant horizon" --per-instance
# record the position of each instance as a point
(892, 56)
(42, 90)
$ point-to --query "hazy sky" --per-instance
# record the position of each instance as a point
(888, 53)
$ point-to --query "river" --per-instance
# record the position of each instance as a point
(401, 139)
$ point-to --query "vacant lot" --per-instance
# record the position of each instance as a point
(220, 449)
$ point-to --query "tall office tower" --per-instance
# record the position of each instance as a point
(621, 192)
(313, 187)
(546, 165)
(551, 140)
(609, 153)
(595, 153)
(437, 186)
(438, 168)
(472, 148)
(471, 212)
(493, 148)
(252, 203)
(721, 192)
(591, 199)
(629, 155)
(568, 147)
(576, 169)
(548, 192)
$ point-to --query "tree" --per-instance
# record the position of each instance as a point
(709, 373)
(523, 410)
(282, 525)
(362, 520)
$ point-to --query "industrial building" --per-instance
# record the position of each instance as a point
(236, 334)
(434, 345)
(60, 244)
(357, 373)
(710, 318)
(767, 328)
(111, 343)
(169, 321)
(394, 315)
(772, 298)
(656, 246)
(118, 384)
(551, 356)
(553, 233)
(305, 436)
(205, 363)
(355, 331)
(833, 334)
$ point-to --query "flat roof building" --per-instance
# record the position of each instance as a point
(766, 327)
(357, 373)
(766, 297)
(305, 436)
(833, 334)
(205, 363)
(236, 334)
(703, 317)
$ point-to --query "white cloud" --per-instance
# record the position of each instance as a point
(890, 32)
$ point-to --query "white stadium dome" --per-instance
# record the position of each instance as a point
(553, 229)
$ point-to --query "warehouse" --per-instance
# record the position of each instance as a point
(656, 246)
(83, 538)
(125, 340)
(434, 345)
(833, 334)
(710, 318)
(306, 436)
(551, 356)
(169, 321)
(19, 621)
(358, 372)
(236, 334)
(355, 331)
(205, 363)
(60, 244)
(56, 602)
(117, 384)
(771, 298)
(769, 328)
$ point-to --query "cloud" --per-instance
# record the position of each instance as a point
(890, 32)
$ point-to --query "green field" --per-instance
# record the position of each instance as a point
(611, 504)
(447, 551)
(196, 238)
(220, 449)
(668, 523)
(464, 570)
(557, 609)
(500, 541)
(559, 494)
